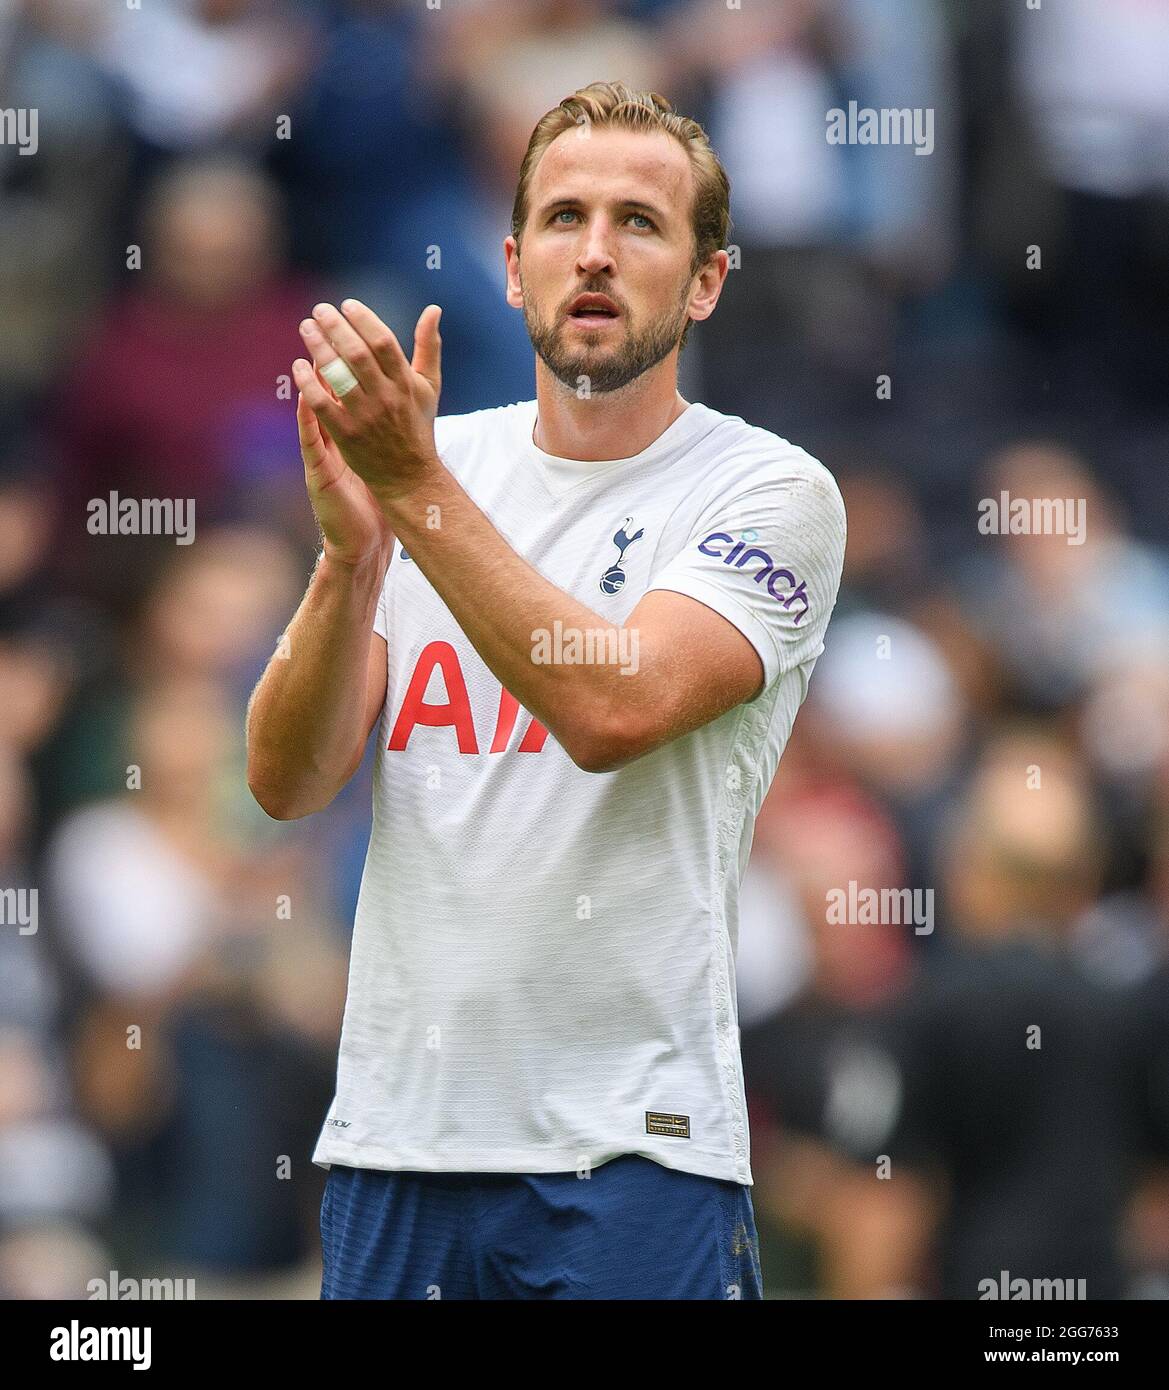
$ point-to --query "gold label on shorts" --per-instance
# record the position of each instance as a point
(677, 1125)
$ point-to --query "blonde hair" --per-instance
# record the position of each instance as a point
(617, 105)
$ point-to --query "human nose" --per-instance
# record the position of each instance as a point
(596, 251)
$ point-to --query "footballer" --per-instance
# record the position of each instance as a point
(583, 625)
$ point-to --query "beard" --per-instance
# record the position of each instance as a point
(607, 366)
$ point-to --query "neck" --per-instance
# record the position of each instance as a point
(609, 425)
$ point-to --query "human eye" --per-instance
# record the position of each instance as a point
(645, 219)
(563, 212)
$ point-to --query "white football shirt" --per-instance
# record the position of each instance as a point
(542, 974)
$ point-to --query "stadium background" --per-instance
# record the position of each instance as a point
(990, 720)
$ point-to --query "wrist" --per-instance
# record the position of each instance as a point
(402, 497)
(371, 565)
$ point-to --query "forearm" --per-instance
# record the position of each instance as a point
(306, 719)
(501, 603)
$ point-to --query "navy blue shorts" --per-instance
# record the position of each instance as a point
(633, 1229)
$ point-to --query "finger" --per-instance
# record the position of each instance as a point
(381, 340)
(314, 441)
(351, 346)
(428, 347)
(327, 360)
(328, 389)
(328, 411)
(312, 446)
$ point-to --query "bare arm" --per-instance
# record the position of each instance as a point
(321, 694)
(312, 711)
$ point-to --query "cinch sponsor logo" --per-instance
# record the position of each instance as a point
(742, 554)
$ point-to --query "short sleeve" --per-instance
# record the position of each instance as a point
(767, 555)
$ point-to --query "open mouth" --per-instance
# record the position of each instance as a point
(593, 321)
(593, 309)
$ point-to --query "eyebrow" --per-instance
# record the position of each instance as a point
(633, 204)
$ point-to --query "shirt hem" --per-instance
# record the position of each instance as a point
(705, 1165)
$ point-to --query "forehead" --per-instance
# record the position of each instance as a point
(607, 164)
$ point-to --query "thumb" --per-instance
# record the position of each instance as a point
(427, 360)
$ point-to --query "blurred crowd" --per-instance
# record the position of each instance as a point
(989, 721)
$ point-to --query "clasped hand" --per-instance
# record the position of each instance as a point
(384, 425)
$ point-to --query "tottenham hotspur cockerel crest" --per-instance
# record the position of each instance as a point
(613, 580)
